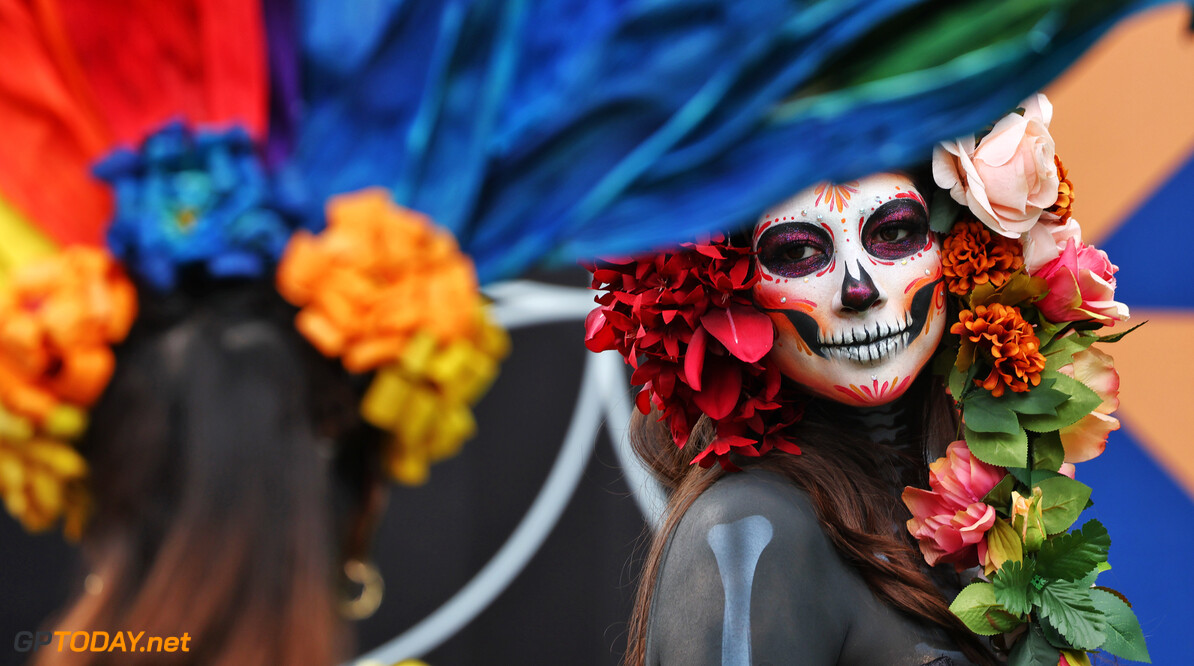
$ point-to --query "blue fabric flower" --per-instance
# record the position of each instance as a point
(193, 198)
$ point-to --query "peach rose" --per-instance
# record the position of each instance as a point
(1010, 177)
(950, 521)
(1087, 438)
(1081, 286)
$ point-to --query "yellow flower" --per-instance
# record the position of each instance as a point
(385, 290)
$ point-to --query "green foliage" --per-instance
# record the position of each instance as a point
(1071, 557)
(1000, 496)
(1063, 500)
(1116, 337)
(1080, 402)
(1013, 590)
(986, 413)
(1020, 288)
(1124, 637)
(1029, 478)
(961, 381)
(976, 607)
(995, 448)
(1033, 650)
(1068, 608)
(1047, 452)
(943, 212)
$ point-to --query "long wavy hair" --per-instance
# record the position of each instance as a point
(228, 460)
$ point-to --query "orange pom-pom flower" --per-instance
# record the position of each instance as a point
(972, 255)
(1008, 342)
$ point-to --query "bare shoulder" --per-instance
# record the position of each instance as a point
(750, 573)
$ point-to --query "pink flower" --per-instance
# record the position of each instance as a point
(1081, 286)
(1087, 438)
(1045, 241)
(1010, 177)
(950, 520)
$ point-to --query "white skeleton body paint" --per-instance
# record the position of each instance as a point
(851, 276)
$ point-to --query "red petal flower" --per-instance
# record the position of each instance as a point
(745, 331)
(685, 321)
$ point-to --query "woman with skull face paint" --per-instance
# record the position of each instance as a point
(802, 559)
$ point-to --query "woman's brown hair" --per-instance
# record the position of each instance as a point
(852, 485)
(227, 458)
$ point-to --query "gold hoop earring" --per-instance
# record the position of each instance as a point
(373, 588)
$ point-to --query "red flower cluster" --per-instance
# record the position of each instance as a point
(685, 321)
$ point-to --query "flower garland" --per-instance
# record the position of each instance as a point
(381, 288)
(1035, 397)
(685, 322)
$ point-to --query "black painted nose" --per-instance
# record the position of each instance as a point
(859, 293)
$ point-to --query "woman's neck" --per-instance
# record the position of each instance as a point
(896, 429)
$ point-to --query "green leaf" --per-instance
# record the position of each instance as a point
(1069, 609)
(983, 413)
(1047, 452)
(1064, 499)
(1004, 544)
(960, 381)
(1116, 337)
(994, 448)
(1054, 636)
(1042, 399)
(986, 413)
(1000, 496)
(1034, 650)
(943, 212)
(975, 606)
(1082, 401)
(1071, 557)
(1124, 637)
(1013, 590)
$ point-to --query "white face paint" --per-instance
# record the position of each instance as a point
(851, 276)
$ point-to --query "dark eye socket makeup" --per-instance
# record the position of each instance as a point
(795, 249)
(897, 229)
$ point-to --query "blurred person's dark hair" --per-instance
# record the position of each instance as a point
(233, 477)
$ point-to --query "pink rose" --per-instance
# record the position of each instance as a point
(1081, 286)
(950, 520)
(1045, 241)
(1087, 438)
(1010, 177)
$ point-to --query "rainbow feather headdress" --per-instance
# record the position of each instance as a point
(245, 139)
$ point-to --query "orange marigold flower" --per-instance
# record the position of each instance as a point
(59, 318)
(376, 276)
(972, 255)
(1065, 194)
(1008, 341)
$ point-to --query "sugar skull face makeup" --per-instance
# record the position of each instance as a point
(851, 276)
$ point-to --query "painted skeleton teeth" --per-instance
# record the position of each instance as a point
(871, 344)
